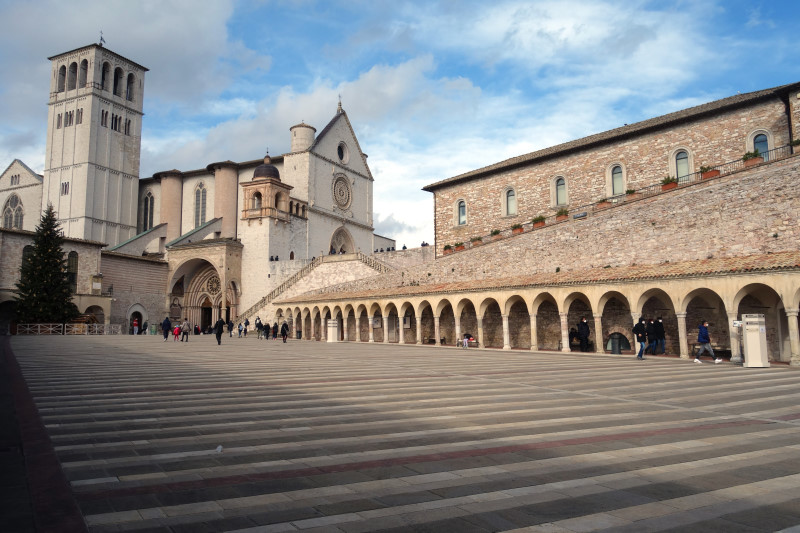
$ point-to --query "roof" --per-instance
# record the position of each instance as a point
(630, 130)
(780, 261)
(95, 45)
(27, 233)
(148, 259)
(26, 167)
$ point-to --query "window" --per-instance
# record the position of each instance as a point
(62, 78)
(343, 153)
(79, 116)
(129, 87)
(15, 179)
(72, 271)
(511, 203)
(58, 121)
(291, 256)
(27, 252)
(256, 201)
(69, 118)
(681, 164)
(64, 188)
(561, 191)
(12, 213)
(147, 211)
(83, 73)
(72, 80)
(617, 185)
(106, 72)
(118, 81)
(462, 213)
(128, 127)
(200, 205)
(761, 145)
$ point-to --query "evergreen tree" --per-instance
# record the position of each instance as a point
(43, 292)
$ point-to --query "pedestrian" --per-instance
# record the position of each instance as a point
(466, 340)
(284, 331)
(166, 327)
(135, 326)
(219, 328)
(185, 328)
(240, 330)
(145, 328)
(230, 328)
(259, 327)
(176, 331)
(583, 334)
(661, 338)
(274, 331)
(651, 336)
(704, 341)
(246, 325)
(640, 334)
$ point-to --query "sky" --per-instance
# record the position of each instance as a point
(432, 89)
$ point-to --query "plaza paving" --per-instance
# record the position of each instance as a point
(370, 437)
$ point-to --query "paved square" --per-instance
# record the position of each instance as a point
(261, 436)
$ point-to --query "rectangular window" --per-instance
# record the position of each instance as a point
(64, 188)
(58, 121)
(79, 116)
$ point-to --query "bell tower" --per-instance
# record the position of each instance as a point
(94, 134)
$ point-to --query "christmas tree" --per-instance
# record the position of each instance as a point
(44, 294)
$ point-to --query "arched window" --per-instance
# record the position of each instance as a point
(12, 213)
(761, 145)
(561, 191)
(62, 78)
(104, 75)
(616, 181)
(278, 203)
(256, 200)
(147, 218)
(118, 81)
(681, 164)
(511, 202)
(462, 213)
(129, 87)
(199, 205)
(84, 72)
(72, 271)
(291, 256)
(72, 80)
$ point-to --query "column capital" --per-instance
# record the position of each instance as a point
(680, 315)
(792, 312)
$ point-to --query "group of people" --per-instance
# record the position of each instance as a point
(181, 330)
(650, 336)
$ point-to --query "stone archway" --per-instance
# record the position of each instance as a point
(342, 241)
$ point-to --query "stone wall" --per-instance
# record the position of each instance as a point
(645, 158)
(135, 281)
(406, 258)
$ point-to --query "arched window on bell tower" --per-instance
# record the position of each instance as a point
(199, 205)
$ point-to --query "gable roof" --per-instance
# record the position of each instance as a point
(630, 130)
(26, 167)
(341, 114)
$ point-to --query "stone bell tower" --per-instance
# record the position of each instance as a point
(94, 132)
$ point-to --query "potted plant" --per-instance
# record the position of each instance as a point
(448, 249)
(602, 203)
(668, 183)
(538, 221)
(516, 228)
(459, 246)
(752, 158)
(562, 214)
(496, 234)
(476, 241)
(708, 172)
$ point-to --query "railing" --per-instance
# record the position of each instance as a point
(583, 211)
(69, 329)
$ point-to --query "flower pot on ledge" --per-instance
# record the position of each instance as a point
(477, 243)
(459, 248)
(448, 251)
(517, 231)
(497, 237)
(539, 224)
(710, 174)
(669, 186)
(753, 161)
(603, 205)
(559, 218)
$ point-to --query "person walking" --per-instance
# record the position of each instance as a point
(274, 331)
(166, 327)
(219, 328)
(583, 334)
(259, 327)
(704, 341)
(230, 328)
(185, 328)
(135, 326)
(284, 331)
(651, 336)
(246, 325)
(466, 340)
(661, 337)
(640, 333)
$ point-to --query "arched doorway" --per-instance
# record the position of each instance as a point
(99, 315)
(342, 241)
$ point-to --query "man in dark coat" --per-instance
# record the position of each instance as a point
(219, 329)
(246, 325)
(651, 336)
(704, 340)
(583, 334)
(274, 330)
(166, 327)
(661, 337)
(640, 335)
(284, 331)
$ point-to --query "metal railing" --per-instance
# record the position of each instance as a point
(69, 329)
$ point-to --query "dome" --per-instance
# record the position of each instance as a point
(266, 171)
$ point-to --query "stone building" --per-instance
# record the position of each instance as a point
(592, 228)
(201, 244)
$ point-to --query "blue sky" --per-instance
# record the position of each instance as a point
(433, 89)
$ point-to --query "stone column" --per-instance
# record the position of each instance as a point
(323, 329)
(459, 337)
(733, 334)
(506, 335)
(564, 332)
(480, 333)
(385, 329)
(635, 317)
(369, 327)
(358, 328)
(794, 336)
(534, 337)
(682, 340)
(419, 329)
(598, 335)
(345, 333)
(436, 331)
(401, 338)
